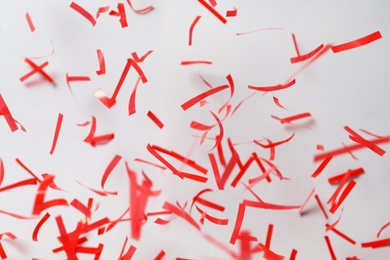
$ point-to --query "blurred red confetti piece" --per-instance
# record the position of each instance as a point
(349, 148)
(36, 69)
(306, 56)
(1, 171)
(343, 195)
(150, 163)
(359, 139)
(4, 111)
(213, 11)
(181, 213)
(383, 228)
(114, 162)
(142, 10)
(39, 204)
(195, 62)
(202, 96)
(56, 132)
(217, 221)
(102, 64)
(377, 243)
(75, 78)
(276, 101)
(160, 255)
(3, 255)
(293, 254)
(321, 167)
(83, 12)
(269, 236)
(101, 10)
(306, 201)
(231, 13)
(39, 225)
(321, 205)
(273, 88)
(155, 119)
(192, 29)
(27, 169)
(295, 45)
(351, 173)
(213, 3)
(122, 15)
(245, 246)
(18, 184)
(357, 43)
(288, 120)
(93, 140)
(331, 252)
(30, 23)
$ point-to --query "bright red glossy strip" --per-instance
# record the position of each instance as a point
(321, 205)
(288, 120)
(321, 167)
(194, 62)
(202, 96)
(142, 10)
(357, 43)
(273, 88)
(351, 173)
(306, 56)
(155, 119)
(377, 243)
(114, 162)
(102, 63)
(56, 132)
(39, 225)
(160, 255)
(343, 195)
(213, 11)
(269, 236)
(330, 248)
(192, 29)
(383, 228)
(83, 12)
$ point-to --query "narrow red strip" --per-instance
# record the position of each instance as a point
(192, 29)
(83, 12)
(56, 132)
(357, 43)
(213, 11)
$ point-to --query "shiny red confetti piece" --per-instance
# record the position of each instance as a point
(306, 201)
(181, 213)
(122, 15)
(101, 10)
(288, 120)
(193, 24)
(336, 231)
(202, 96)
(343, 195)
(150, 163)
(18, 184)
(102, 63)
(321, 167)
(321, 205)
(160, 255)
(276, 101)
(155, 119)
(142, 10)
(258, 30)
(16, 215)
(293, 254)
(75, 78)
(39, 204)
(351, 173)
(56, 132)
(213, 3)
(354, 136)
(132, 107)
(114, 162)
(377, 243)
(269, 236)
(204, 202)
(357, 43)
(295, 45)
(231, 13)
(222, 179)
(306, 56)
(39, 225)
(213, 11)
(83, 12)
(36, 69)
(4, 111)
(273, 88)
(109, 102)
(30, 23)
(245, 247)
(93, 140)
(195, 62)
(331, 252)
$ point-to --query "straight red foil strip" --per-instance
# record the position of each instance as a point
(160, 255)
(1, 171)
(122, 15)
(293, 254)
(213, 11)
(321, 205)
(269, 236)
(217, 221)
(192, 29)
(142, 10)
(102, 63)
(354, 136)
(321, 167)
(331, 252)
(18, 184)
(377, 243)
(56, 132)
(181, 213)
(288, 120)
(202, 96)
(129, 254)
(350, 240)
(351, 173)
(83, 12)
(194, 62)
(295, 45)
(155, 119)
(349, 148)
(75, 78)
(101, 10)
(39, 225)
(273, 88)
(30, 23)
(343, 195)
(357, 43)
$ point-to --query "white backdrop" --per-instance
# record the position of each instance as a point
(340, 89)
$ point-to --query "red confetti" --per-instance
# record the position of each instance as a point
(202, 96)
(330, 248)
(343, 195)
(351, 173)
(102, 64)
(357, 43)
(288, 120)
(155, 119)
(4, 111)
(377, 243)
(321, 206)
(306, 201)
(56, 132)
(195, 62)
(192, 29)
(213, 11)
(143, 57)
(160, 255)
(30, 23)
(321, 167)
(101, 10)
(36, 69)
(306, 56)
(39, 225)
(231, 13)
(181, 213)
(273, 88)
(142, 10)
(83, 12)
(276, 101)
